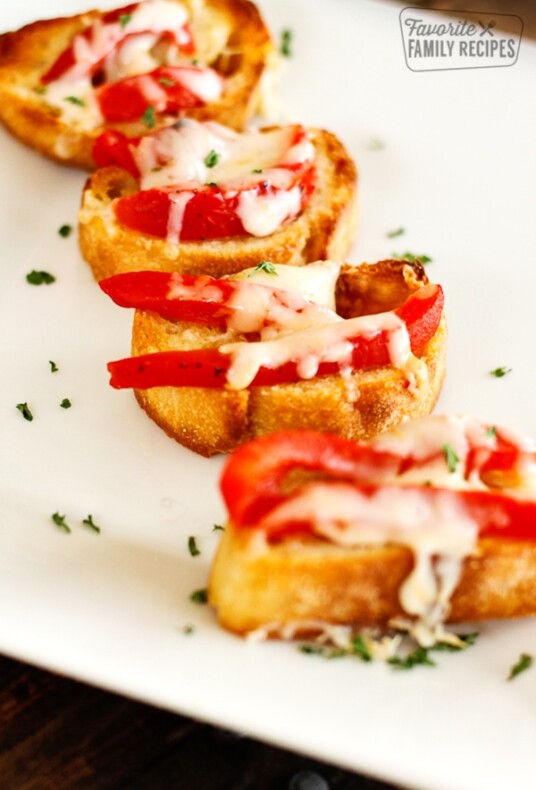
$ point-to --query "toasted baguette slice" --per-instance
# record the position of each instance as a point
(254, 584)
(212, 421)
(324, 230)
(230, 36)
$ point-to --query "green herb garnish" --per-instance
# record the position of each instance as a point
(166, 81)
(375, 144)
(41, 90)
(218, 528)
(500, 372)
(523, 663)
(492, 432)
(419, 657)
(264, 266)
(409, 256)
(53, 367)
(88, 522)
(25, 411)
(66, 403)
(360, 648)
(59, 521)
(195, 62)
(65, 231)
(40, 278)
(450, 457)
(394, 233)
(211, 184)
(124, 19)
(192, 546)
(149, 118)
(286, 43)
(188, 629)
(75, 100)
(212, 158)
(199, 596)
(257, 170)
(326, 651)
(468, 640)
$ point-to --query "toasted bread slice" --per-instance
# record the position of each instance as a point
(230, 36)
(324, 230)
(212, 421)
(254, 584)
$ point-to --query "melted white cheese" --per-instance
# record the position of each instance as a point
(310, 347)
(437, 529)
(316, 281)
(262, 215)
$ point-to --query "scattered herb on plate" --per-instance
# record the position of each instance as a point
(394, 233)
(218, 528)
(88, 522)
(59, 521)
(188, 629)
(286, 43)
(25, 411)
(192, 546)
(66, 403)
(199, 596)
(523, 663)
(65, 231)
(411, 257)
(500, 372)
(53, 367)
(40, 278)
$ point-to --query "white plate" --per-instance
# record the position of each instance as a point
(456, 173)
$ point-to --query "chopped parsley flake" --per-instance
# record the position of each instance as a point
(218, 528)
(211, 184)
(53, 367)
(286, 43)
(450, 457)
(188, 629)
(66, 403)
(88, 522)
(124, 19)
(412, 258)
(418, 657)
(265, 266)
(360, 648)
(500, 372)
(41, 89)
(75, 100)
(467, 640)
(326, 651)
(212, 158)
(492, 432)
(149, 118)
(65, 231)
(166, 82)
(59, 521)
(192, 546)
(257, 170)
(394, 233)
(523, 663)
(199, 596)
(40, 278)
(195, 62)
(25, 411)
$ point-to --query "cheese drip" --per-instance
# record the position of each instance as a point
(437, 529)
(328, 343)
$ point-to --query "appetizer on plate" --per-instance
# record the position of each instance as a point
(353, 350)
(200, 198)
(434, 522)
(63, 81)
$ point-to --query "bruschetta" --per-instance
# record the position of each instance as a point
(434, 522)
(64, 81)
(200, 198)
(353, 350)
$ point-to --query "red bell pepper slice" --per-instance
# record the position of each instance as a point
(253, 482)
(206, 367)
(66, 59)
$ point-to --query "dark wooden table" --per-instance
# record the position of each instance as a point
(59, 734)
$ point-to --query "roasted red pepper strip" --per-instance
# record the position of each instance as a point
(253, 482)
(113, 148)
(206, 367)
(183, 38)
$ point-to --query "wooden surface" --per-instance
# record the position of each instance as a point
(59, 734)
(55, 733)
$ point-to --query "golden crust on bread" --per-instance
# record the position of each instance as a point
(216, 421)
(324, 230)
(26, 54)
(254, 584)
